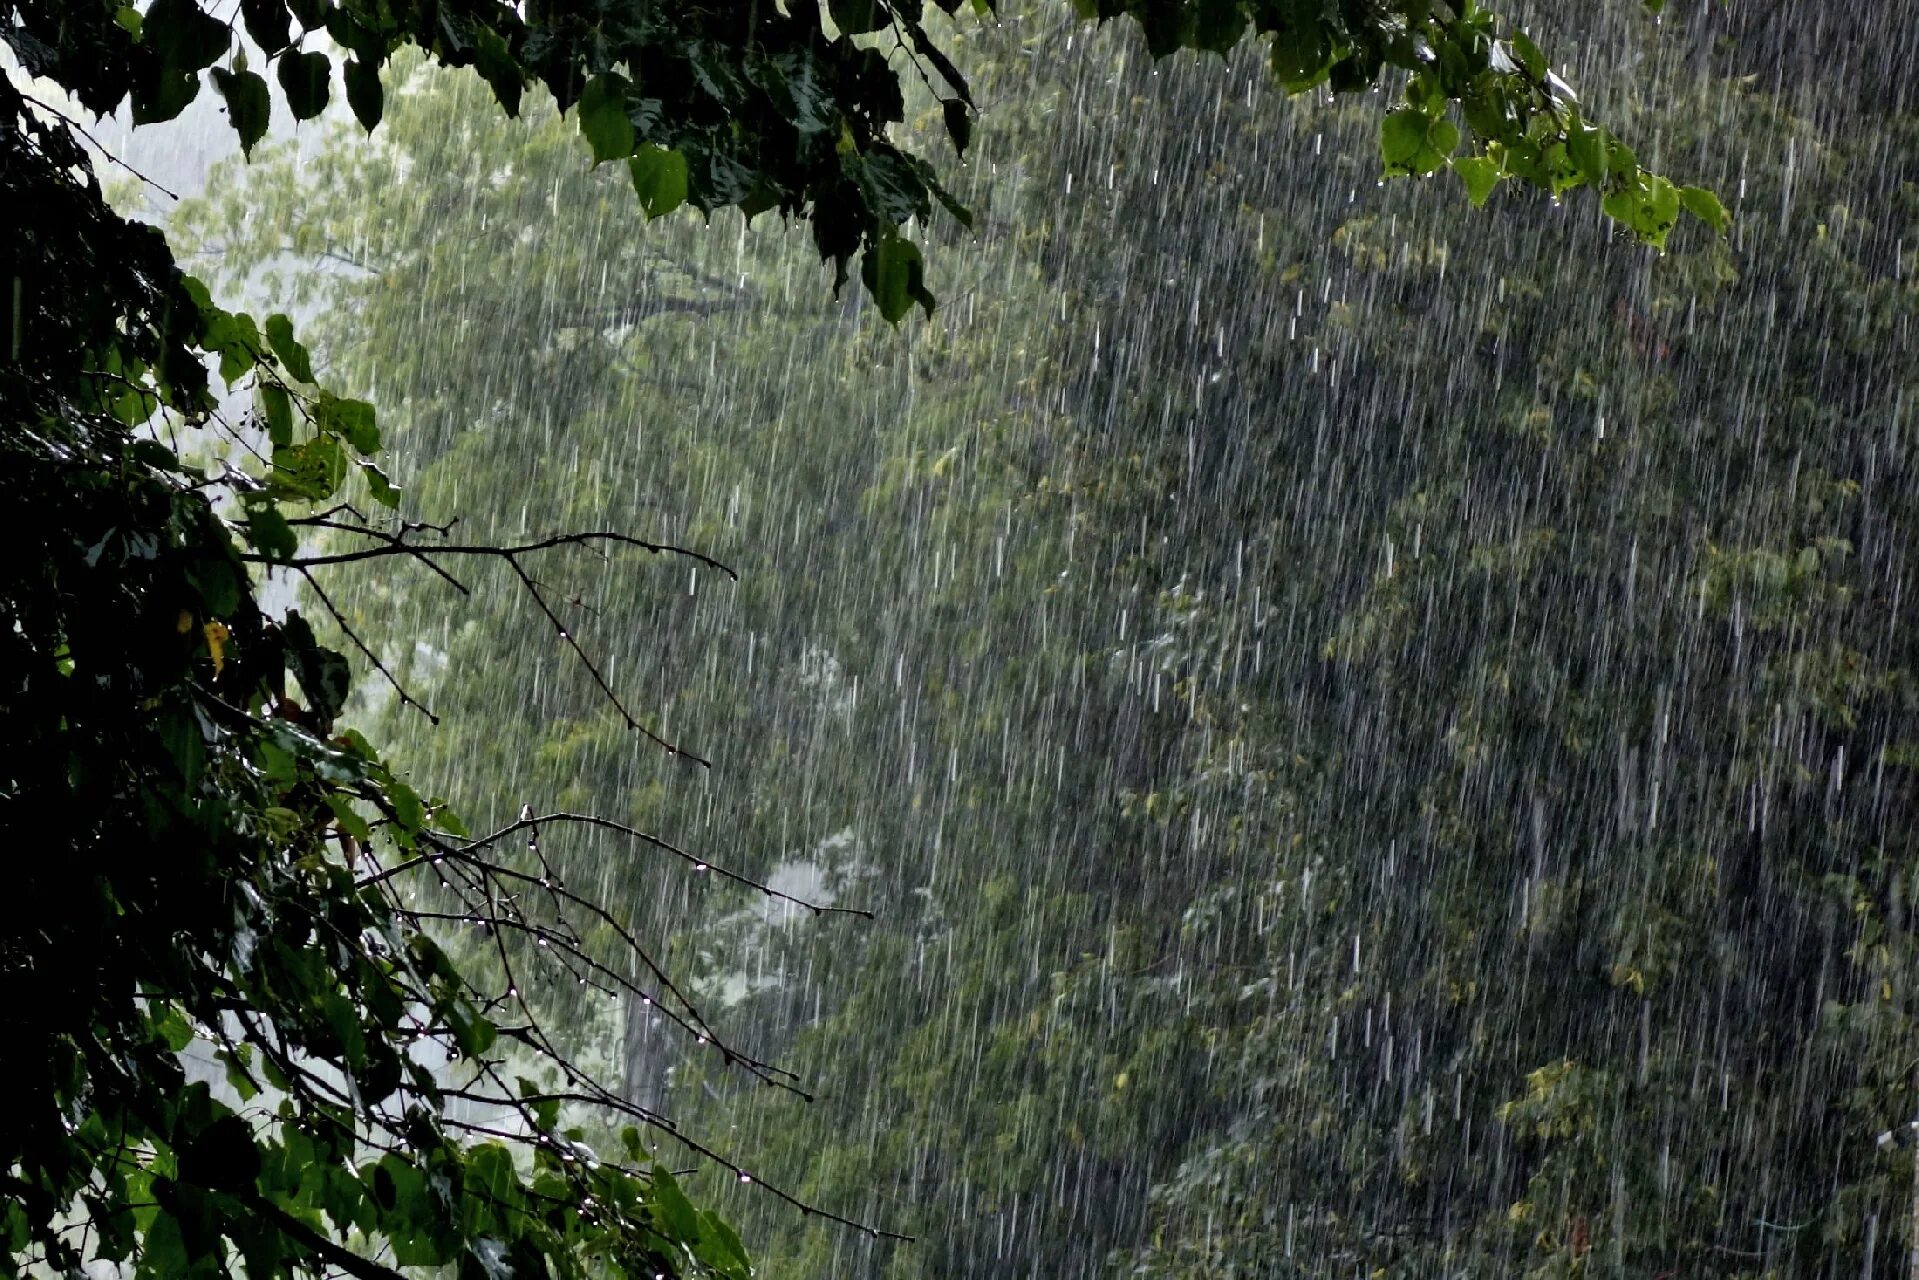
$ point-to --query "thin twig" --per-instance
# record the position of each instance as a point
(583, 539)
(81, 129)
(560, 628)
(406, 699)
(697, 863)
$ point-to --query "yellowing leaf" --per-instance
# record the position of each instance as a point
(216, 634)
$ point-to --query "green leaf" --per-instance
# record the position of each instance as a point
(364, 92)
(307, 81)
(239, 1078)
(292, 355)
(351, 420)
(270, 533)
(219, 582)
(408, 809)
(1302, 55)
(184, 742)
(1410, 141)
(1528, 55)
(894, 274)
(471, 1031)
(1480, 174)
(497, 67)
(249, 105)
(184, 36)
(311, 470)
(237, 339)
(676, 1215)
(1586, 148)
(322, 673)
(959, 123)
(133, 407)
(1649, 207)
(172, 1027)
(1705, 206)
(348, 817)
(277, 408)
(603, 120)
(720, 1247)
(659, 178)
(160, 95)
(445, 819)
(268, 24)
(384, 491)
(857, 17)
(1402, 136)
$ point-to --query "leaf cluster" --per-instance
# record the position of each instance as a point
(227, 1033)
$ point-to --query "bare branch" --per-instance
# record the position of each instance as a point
(566, 637)
(397, 546)
(698, 864)
(406, 699)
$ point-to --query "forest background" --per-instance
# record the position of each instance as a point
(1378, 736)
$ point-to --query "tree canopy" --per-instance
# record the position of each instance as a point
(215, 859)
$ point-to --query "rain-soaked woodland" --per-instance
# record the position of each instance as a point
(1379, 735)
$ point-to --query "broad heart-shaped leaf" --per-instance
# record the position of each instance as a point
(720, 1247)
(351, 420)
(603, 119)
(1410, 141)
(676, 1215)
(248, 104)
(183, 35)
(269, 531)
(1302, 54)
(160, 94)
(364, 92)
(307, 80)
(1649, 207)
(311, 470)
(895, 274)
(280, 337)
(1586, 148)
(1704, 205)
(1480, 174)
(235, 337)
(500, 70)
(857, 17)
(268, 23)
(1402, 135)
(659, 177)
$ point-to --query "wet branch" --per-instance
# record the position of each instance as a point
(391, 544)
(406, 698)
(698, 864)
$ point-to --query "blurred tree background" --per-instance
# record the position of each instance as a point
(1381, 738)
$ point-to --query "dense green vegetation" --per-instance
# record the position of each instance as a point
(1380, 740)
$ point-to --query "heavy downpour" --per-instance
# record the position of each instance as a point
(1047, 639)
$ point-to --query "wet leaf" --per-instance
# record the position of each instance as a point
(603, 120)
(307, 81)
(248, 104)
